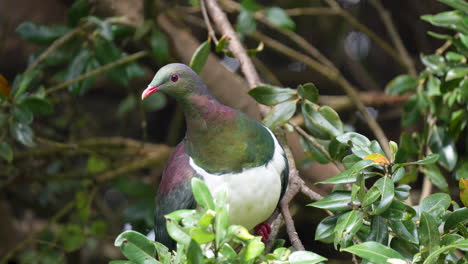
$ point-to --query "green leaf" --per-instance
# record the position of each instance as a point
(271, 95)
(254, 248)
(278, 17)
(136, 247)
(23, 133)
(96, 164)
(411, 112)
(202, 194)
(246, 22)
(450, 19)
(25, 82)
(228, 252)
(387, 189)
(40, 34)
(455, 73)
(401, 85)
(453, 56)
(194, 253)
(159, 46)
(402, 192)
(336, 201)
(325, 229)
(350, 160)
(435, 64)
(198, 60)
(309, 92)
(435, 175)
(405, 230)
(378, 231)
(443, 144)
(461, 5)
(429, 159)
(72, 237)
(38, 105)
(155, 102)
(324, 119)
(462, 245)
(360, 145)
(433, 86)
(347, 226)
(77, 11)
(405, 248)
(399, 211)
(435, 204)
(180, 214)
(107, 52)
(305, 257)
(77, 67)
(459, 216)
(374, 252)
(177, 234)
(280, 114)
(429, 236)
(240, 232)
(98, 228)
(313, 152)
(22, 114)
(221, 220)
(371, 196)
(349, 175)
(201, 236)
(6, 152)
(126, 105)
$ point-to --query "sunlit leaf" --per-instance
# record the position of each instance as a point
(271, 95)
(374, 252)
(200, 56)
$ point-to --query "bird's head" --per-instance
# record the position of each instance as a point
(176, 80)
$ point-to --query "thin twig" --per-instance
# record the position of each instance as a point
(99, 70)
(312, 11)
(395, 37)
(211, 32)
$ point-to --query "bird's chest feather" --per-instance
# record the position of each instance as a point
(253, 193)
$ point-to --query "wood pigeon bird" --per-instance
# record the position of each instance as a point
(223, 147)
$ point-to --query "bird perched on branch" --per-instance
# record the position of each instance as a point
(223, 147)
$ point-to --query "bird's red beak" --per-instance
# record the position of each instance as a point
(148, 91)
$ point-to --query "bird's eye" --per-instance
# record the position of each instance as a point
(174, 77)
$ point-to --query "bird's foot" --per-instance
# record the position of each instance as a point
(263, 230)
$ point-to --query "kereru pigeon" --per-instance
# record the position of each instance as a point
(223, 147)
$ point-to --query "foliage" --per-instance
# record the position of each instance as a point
(204, 236)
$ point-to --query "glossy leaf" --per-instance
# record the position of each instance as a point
(449, 19)
(126, 105)
(136, 247)
(6, 152)
(371, 196)
(387, 189)
(325, 229)
(399, 211)
(40, 34)
(309, 92)
(435, 175)
(305, 257)
(402, 192)
(347, 226)
(324, 119)
(406, 230)
(349, 175)
(455, 73)
(401, 85)
(278, 17)
(23, 133)
(435, 204)
(280, 114)
(374, 252)
(194, 253)
(462, 245)
(177, 234)
(461, 5)
(313, 152)
(271, 95)
(459, 216)
(379, 231)
(202, 194)
(429, 236)
(434, 63)
(442, 144)
(336, 201)
(360, 145)
(200, 56)
(254, 248)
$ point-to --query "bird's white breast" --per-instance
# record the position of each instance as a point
(254, 193)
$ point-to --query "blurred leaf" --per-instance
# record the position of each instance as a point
(435, 204)
(38, 105)
(5, 87)
(462, 245)
(461, 5)
(401, 85)
(336, 201)
(221, 220)
(308, 91)
(271, 95)
(442, 143)
(402, 192)
(411, 112)
(350, 160)
(459, 216)
(433, 86)
(463, 185)
(240, 232)
(136, 247)
(254, 248)
(227, 251)
(134, 71)
(6, 152)
(194, 253)
(126, 105)
(449, 19)
(246, 22)
(325, 229)
(338, 150)
(202, 194)
(278, 17)
(72, 237)
(207, 218)
(160, 46)
(22, 114)
(77, 67)
(455, 73)
(223, 42)
(25, 82)
(199, 57)
(349, 175)
(428, 232)
(436, 176)
(453, 56)
(119, 31)
(313, 152)
(429, 159)
(373, 252)
(435, 64)
(107, 52)
(379, 230)
(347, 226)
(280, 114)
(155, 102)
(98, 228)
(23, 133)
(77, 11)
(41, 34)
(177, 234)
(201, 236)
(305, 257)
(96, 164)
